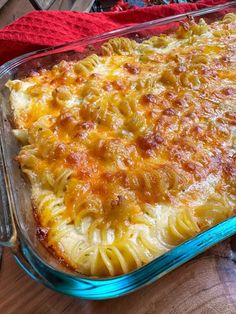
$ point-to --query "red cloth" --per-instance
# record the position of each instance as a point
(41, 29)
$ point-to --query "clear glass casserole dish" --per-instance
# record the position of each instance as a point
(17, 223)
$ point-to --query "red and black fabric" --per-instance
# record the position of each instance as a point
(39, 29)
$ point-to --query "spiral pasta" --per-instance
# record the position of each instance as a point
(132, 151)
(87, 65)
(119, 46)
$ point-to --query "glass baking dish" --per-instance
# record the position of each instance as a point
(17, 224)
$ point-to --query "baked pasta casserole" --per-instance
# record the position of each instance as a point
(131, 151)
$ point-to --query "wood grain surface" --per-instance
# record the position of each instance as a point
(205, 285)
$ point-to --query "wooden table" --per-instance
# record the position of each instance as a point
(204, 285)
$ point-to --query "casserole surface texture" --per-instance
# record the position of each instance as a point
(132, 151)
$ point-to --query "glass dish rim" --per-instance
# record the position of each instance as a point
(207, 232)
(10, 65)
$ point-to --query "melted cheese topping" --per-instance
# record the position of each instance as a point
(131, 152)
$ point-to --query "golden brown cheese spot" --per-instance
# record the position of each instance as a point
(228, 91)
(169, 112)
(150, 141)
(179, 69)
(189, 166)
(156, 184)
(42, 233)
(66, 121)
(84, 166)
(108, 87)
(80, 80)
(131, 68)
(229, 167)
(118, 85)
(59, 151)
(95, 76)
(117, 201)
(76, 159)
(149, 99)
(119, 213)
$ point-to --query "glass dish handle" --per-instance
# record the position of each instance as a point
(7, 226)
